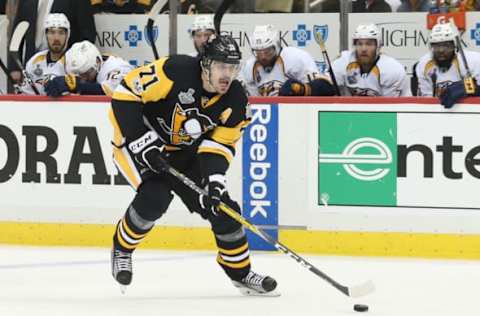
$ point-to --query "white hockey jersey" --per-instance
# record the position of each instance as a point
(112, 72)
(41, 69)
(293, 63)
(386, 78)
(427, 72)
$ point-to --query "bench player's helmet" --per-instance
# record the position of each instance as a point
(201, 23)
(60, 21)
(83, 57)
(442, 32)
(367, 31)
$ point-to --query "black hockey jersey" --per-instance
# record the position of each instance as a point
(163, 95)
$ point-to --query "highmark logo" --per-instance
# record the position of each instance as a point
(351, 156)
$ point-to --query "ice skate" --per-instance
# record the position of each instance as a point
(254, 284)
(122, 268)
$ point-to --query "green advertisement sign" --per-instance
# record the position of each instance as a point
(357, 158)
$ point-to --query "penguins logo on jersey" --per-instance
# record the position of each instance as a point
(176, 130)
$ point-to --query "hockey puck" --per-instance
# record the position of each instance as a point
(360, 308)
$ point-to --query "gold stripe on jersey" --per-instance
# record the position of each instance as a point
(121, 156)
(40, 58)
(208, 102)
(376, 71)
(149, 83)
(225, 115)
(229, 135)
(428, 66)
(145, 2)
(123, 94)
(211, 147)
(107, 90)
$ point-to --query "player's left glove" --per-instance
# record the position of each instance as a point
(217, 192)
(456, 91)
(61, 85)
(292, 87)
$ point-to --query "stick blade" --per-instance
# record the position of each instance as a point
(361, 289)
(18, 35)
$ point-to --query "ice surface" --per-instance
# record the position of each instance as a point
(77, 282)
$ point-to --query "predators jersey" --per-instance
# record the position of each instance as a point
(112, 72)
(41, 69)
(164, 95)
(293, 63)
(429, 74)
(386, 78)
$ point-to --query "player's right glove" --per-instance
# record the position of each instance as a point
(293, 87)
(217, 192)
(148, 151)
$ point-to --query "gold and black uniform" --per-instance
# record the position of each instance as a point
(161, 97)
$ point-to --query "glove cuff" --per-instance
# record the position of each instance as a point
(142, 142)
(217, 177)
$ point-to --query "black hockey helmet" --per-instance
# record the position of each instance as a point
(221, 48)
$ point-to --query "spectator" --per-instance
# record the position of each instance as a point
(122, 6)
(200, 31)
(364, 71)
(358, 6)
(442, 73)
(78, 12)
(209, 6)
(269, 6)
(88, 72)
(288, 71)
(472, 5)
(414, 5)
(48, 63)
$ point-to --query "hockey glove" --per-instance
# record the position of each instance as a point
(61, 85)
(293, 87)
(148, 151)
(216, 192)
(453, 93)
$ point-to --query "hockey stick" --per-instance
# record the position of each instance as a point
(4, 25)
(468, 81)
(15, 42)
(321, 43)
(217, 18)
(352, 291)
(151, 20)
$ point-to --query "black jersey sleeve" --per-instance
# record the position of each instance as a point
(218, 148)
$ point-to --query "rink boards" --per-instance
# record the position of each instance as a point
(356, 176)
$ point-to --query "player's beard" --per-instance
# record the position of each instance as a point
(57, 47)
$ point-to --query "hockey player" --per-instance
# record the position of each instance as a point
(200, 31)
(287, 71)
(49, 63)
(365, 71)
(189, 113)
(88, 72)
(441, 72)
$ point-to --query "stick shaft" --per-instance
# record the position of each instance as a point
(239, 218)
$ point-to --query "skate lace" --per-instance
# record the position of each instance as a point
(123, 260)
(254, 280)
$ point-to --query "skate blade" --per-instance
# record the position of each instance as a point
(123, 289)
(249, 292)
